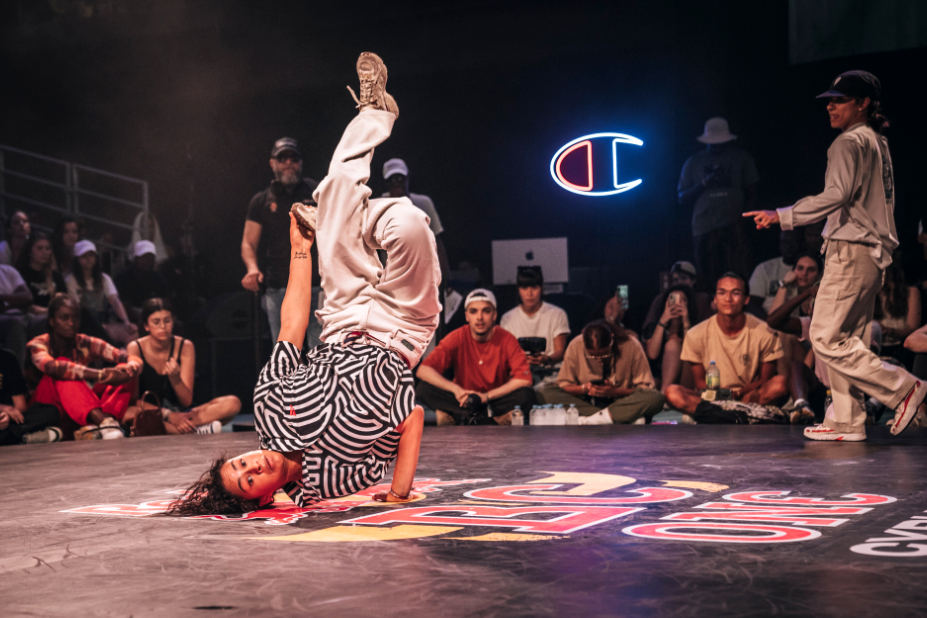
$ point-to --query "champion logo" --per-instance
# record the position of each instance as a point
(292, 411)
(572, 165)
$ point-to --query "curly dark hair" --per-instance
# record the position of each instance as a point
(208, 496)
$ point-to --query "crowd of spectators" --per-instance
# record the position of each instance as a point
(84, 355)
(96, 356)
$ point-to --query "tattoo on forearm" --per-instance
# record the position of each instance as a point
(300, 255)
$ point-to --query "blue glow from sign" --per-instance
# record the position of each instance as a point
(617, 138)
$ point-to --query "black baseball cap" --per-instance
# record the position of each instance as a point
(283, 144)
(857, 84)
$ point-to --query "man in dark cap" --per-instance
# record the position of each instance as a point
(265, 245)
(859, 237)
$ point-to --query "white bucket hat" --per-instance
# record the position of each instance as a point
(716, 132)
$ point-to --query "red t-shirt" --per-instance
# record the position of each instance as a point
(502, 359)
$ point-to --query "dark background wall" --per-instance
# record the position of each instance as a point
(191, 95)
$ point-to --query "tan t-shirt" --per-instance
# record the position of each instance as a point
(630, 370)
(738, 358)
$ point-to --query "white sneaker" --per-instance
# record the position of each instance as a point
(641, 421)
(907, 409)
(110, 429)
(821, 432)
(602, 417)
(51, 434)
(688, 420)
(213, 427)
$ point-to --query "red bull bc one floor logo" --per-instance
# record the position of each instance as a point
(563, 503)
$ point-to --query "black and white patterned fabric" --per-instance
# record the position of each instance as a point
(341, 409)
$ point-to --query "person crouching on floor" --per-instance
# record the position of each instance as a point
(605, 374)
(63, 355)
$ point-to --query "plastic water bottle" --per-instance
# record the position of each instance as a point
(713, 377)
(559, 415)
(518, 417)
(572, 415)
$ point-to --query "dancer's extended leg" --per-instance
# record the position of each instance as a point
(401, 303)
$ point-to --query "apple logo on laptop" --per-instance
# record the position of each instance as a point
(529, 255)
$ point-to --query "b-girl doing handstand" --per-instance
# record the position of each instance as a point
(332, 426)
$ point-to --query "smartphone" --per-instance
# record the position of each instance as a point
(623, 295)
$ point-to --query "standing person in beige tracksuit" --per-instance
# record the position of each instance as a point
(858, 203)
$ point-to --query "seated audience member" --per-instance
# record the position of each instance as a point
(917, 343)
(681, 273)
(141, 281)
(94, 291)
(663, 338)
(64, 357)
(768, 275)
(743, 347)
(19, 424)
(487, 362)
(168, 368)
(535, 318)
(18, 229)
(15, 298)
(605, 370)
(67, 232)
(898, 311)
(612, 309)
(808, 379)
(37, 267)
(667, 350)
(805, 274)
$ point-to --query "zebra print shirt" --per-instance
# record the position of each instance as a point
(341, 409)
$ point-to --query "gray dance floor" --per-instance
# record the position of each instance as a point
(517, 521)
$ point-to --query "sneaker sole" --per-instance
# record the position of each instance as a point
(909, 413)
(836, 437)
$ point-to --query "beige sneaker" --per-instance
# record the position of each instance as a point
(44, 436)
(372, 74)
(87, 432)
(305, 214)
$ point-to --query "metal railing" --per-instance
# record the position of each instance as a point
(45, 186)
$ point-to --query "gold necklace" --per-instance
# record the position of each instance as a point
(478, 347)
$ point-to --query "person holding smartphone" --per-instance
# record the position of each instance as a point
(533, 317)
(605, 374)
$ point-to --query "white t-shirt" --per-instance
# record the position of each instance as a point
(764, 282)
(548, 322)
(10, 279)
(89, 298)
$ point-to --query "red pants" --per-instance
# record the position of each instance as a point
(76, 399)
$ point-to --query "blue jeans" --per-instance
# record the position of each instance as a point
(273, 299)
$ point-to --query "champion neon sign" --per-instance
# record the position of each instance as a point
(581, 149)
